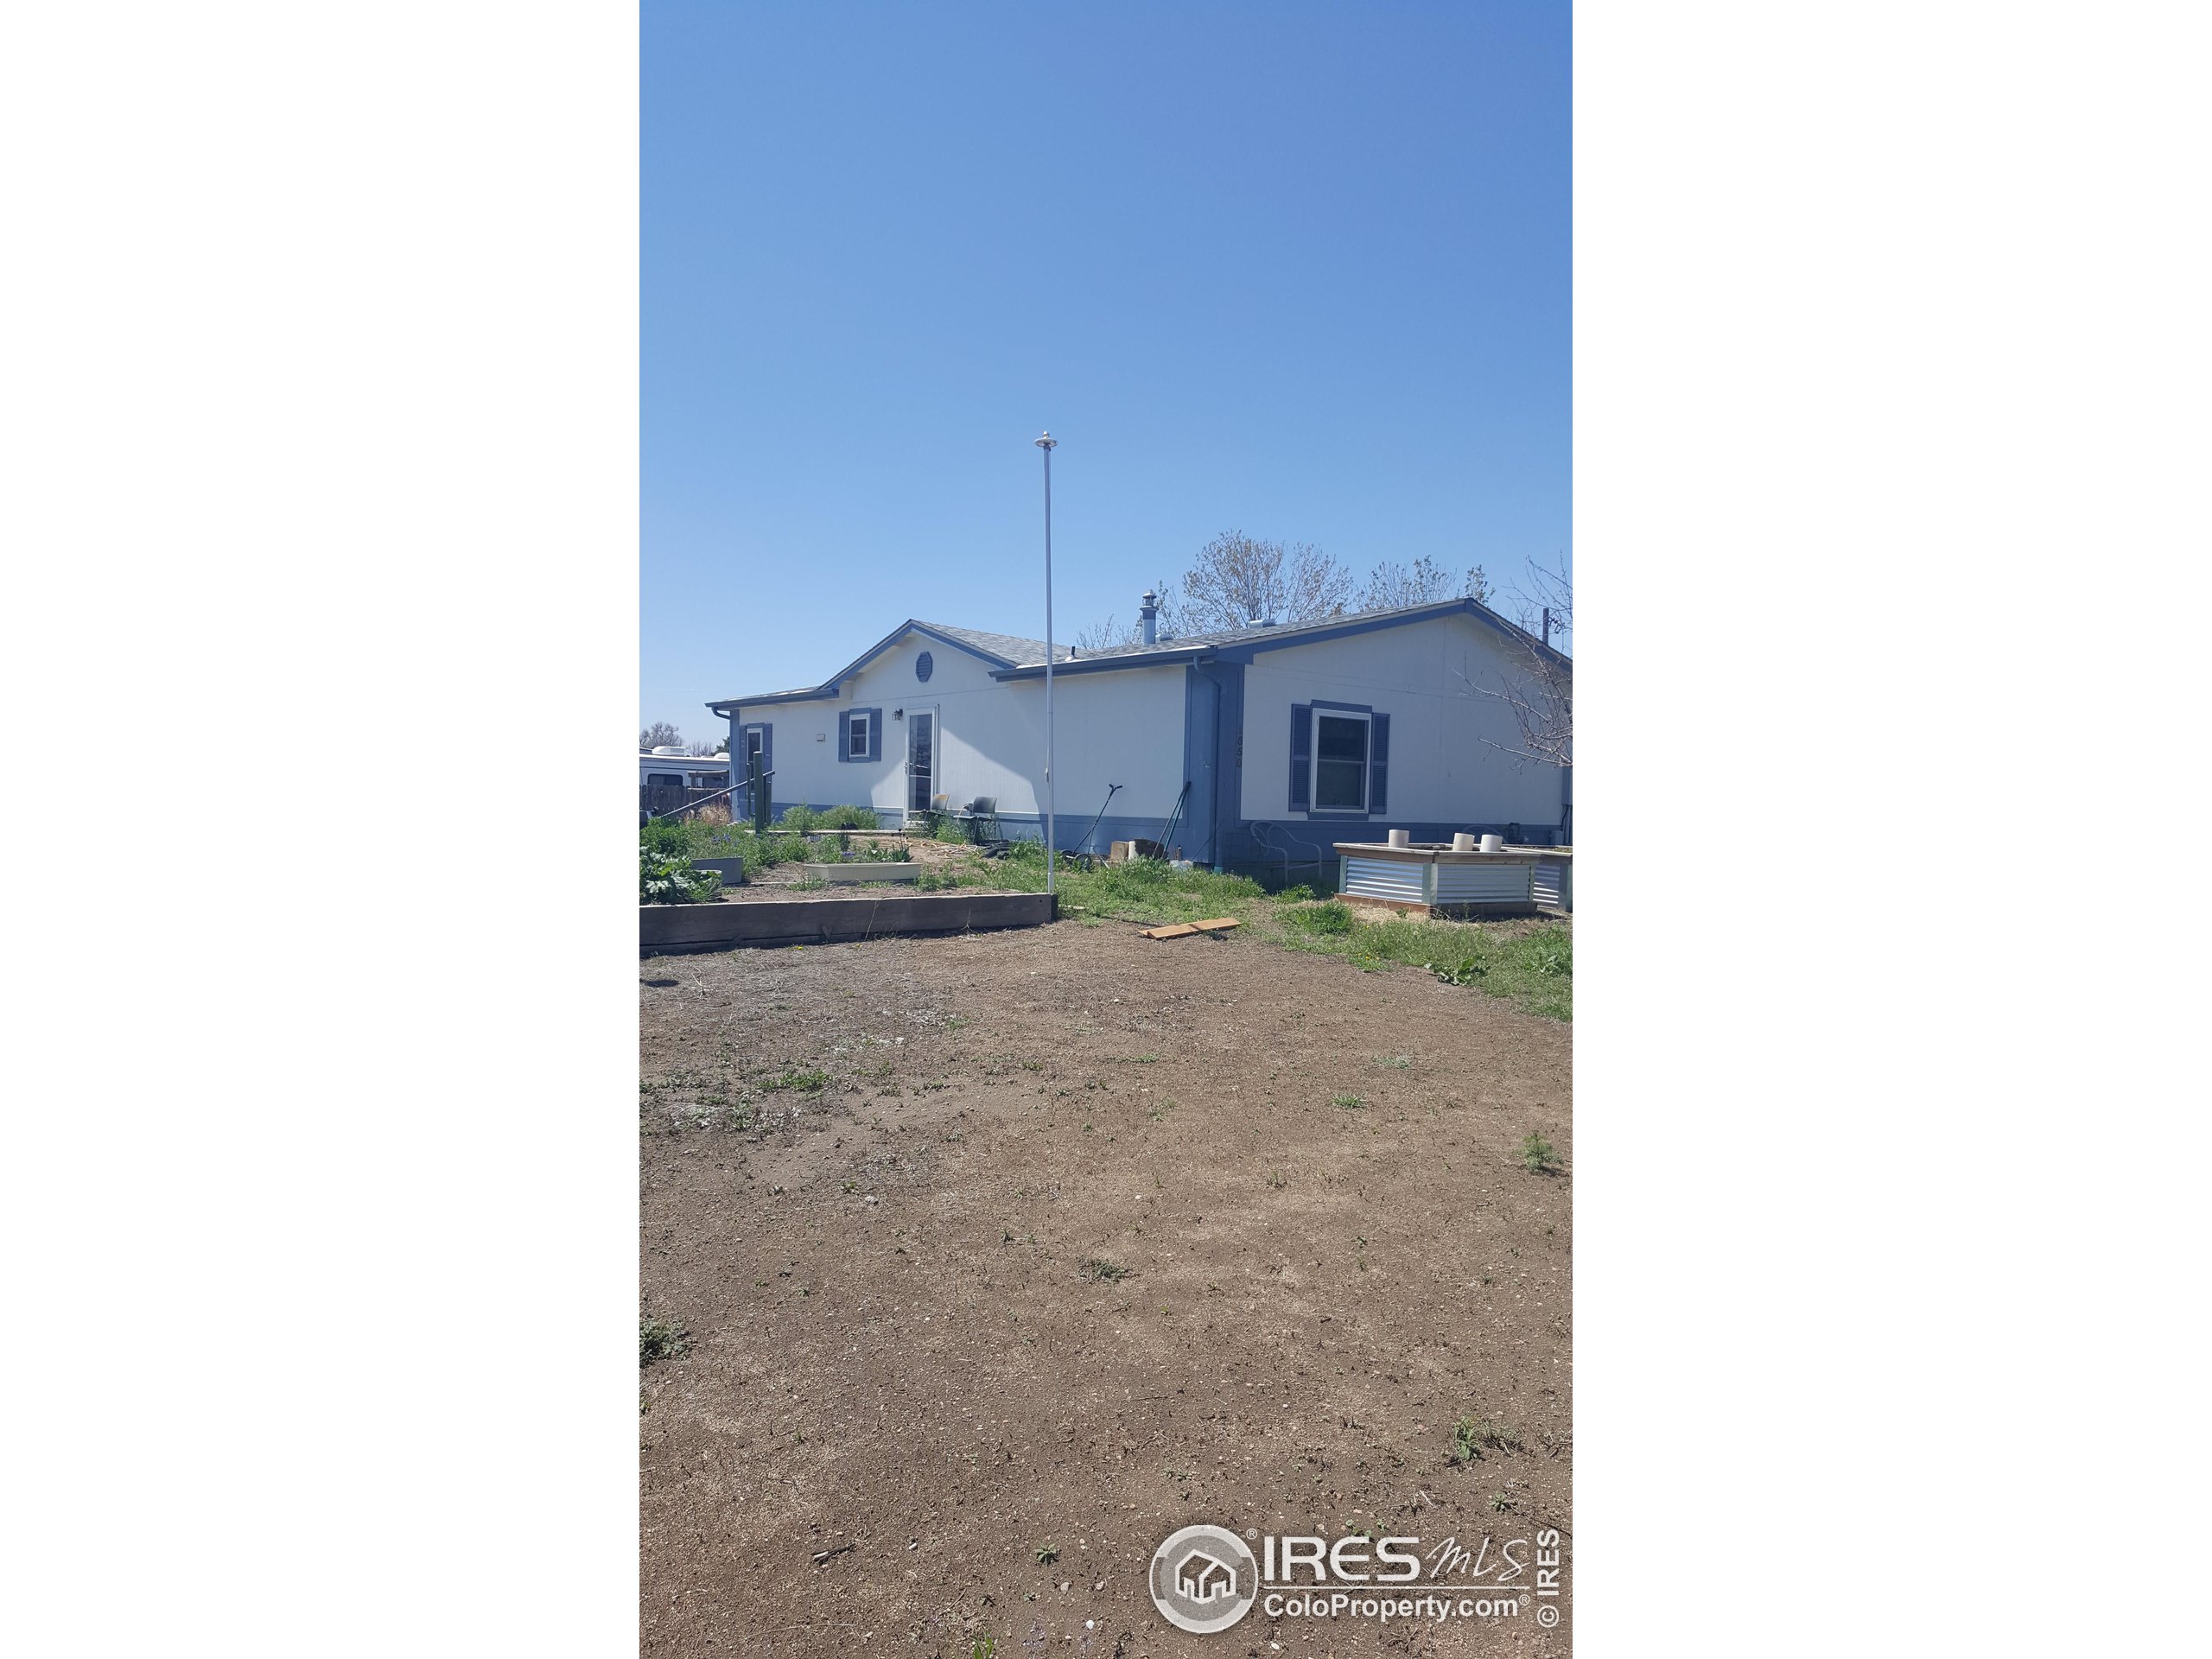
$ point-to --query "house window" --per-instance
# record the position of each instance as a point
(1339, 761)
(664, 779)
(856, 738)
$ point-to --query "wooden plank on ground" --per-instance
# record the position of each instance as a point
(1184, 929)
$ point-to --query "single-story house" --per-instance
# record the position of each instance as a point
(1266, 745)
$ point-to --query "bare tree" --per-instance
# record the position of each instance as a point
(1236, 578)
(1105, 636)
(1394, 587)
(1537, 683)
(712, 747)
(660, 733)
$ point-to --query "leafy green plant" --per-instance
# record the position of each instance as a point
(1047, 1553)
(1331, 918)
(1350, 1102)
(1301, 894)
(883, 852)
(1536, 1154)
(660, 1338)
(848, 818)
(669, 879)
(1099, 1269)
(665, 835)
(1465, 971)
(798, 820)
(811, 883)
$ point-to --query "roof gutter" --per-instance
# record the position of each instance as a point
(1103, 664)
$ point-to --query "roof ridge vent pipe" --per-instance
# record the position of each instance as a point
(1148, 611)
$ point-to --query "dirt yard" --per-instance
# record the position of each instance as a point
(1001, 1257)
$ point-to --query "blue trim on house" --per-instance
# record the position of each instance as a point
(1213, 748)
(874, 751)
(1201, 749)
(1167, 659)
(729, 709)
(829, 687)
(1346, 814)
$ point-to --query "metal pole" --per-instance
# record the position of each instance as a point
(1048, 443)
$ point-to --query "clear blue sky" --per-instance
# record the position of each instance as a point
(1298, 269)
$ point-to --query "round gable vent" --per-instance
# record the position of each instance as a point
(923, 666)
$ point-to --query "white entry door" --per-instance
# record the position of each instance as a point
(921, 758)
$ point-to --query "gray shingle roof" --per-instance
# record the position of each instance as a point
(1016, 652)
(1007, 647)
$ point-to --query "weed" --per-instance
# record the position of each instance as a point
(1500, 1501)
(1396, 1062)
(810, 883)
(660, 1339)
(1098, 1267)
(1536, 1154)
(1047, 1553)
(1329, 918)
(1470, 1439)
(808, 1081)
(1350, 1102)
(1274, 1178)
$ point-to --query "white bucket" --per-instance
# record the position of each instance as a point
(1463, 842)
(1402, 837)
(1493, 843)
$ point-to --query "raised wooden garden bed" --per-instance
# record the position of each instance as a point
(670, 928)
(872, 870)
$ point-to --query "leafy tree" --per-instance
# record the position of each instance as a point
(1236, 577)
(657, 734)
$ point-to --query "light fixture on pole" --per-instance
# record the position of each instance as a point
(1048, 443)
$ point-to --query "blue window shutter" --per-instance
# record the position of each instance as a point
(844, 737)
(1378, 764)
(875, 735)
(1301, 754)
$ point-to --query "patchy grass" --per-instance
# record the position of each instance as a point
(1530, 960)
(1099, 1270)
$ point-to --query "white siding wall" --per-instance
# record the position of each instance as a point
(1440, 770)
(1124, 728)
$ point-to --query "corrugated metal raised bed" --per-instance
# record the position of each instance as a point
(1437, 877)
